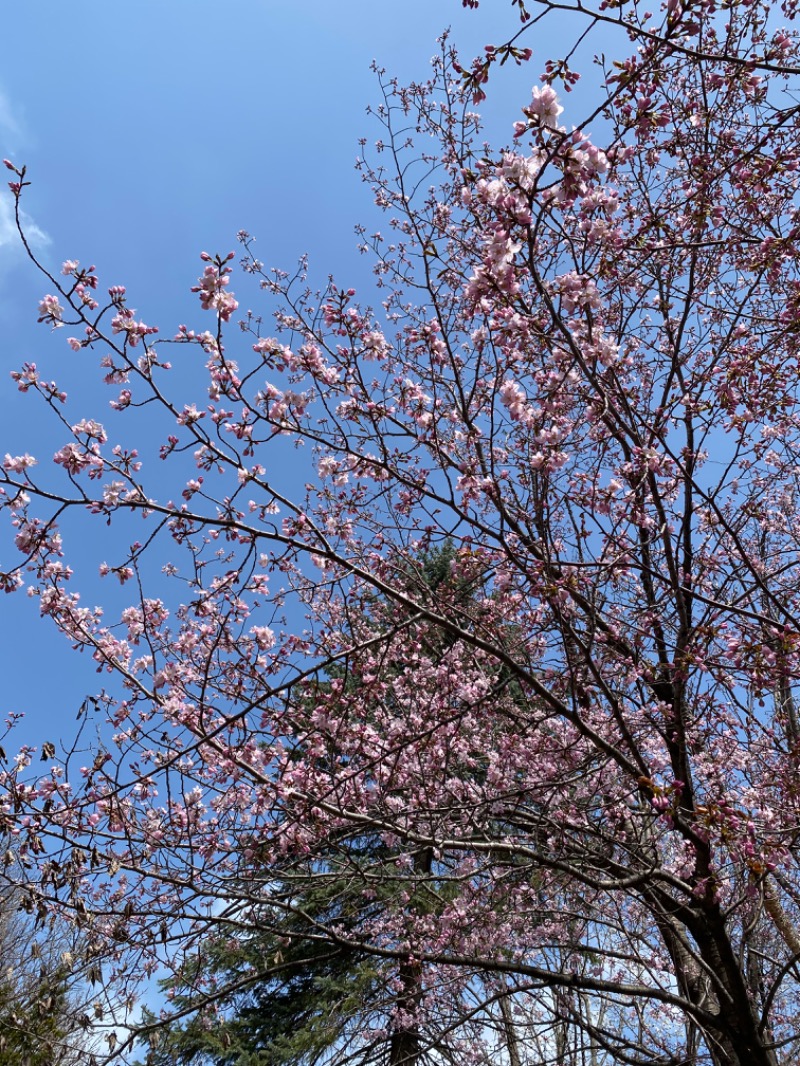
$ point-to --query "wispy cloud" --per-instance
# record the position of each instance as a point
(9, 238)
(8, 231)
(12, 134)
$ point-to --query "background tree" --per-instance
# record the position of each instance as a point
(584, 373)
(45, 1013)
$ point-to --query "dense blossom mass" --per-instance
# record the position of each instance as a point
(497, 712)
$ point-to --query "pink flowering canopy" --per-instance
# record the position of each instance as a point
(562, 783)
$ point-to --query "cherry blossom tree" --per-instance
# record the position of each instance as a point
(581, 370)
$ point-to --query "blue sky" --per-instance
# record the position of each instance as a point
(155, 129)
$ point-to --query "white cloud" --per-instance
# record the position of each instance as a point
(11, 133)
(9, 238)
(8, 232)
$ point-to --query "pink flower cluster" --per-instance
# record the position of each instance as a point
(544, 107)
(50, 310)
(212, 285)
(124, 322)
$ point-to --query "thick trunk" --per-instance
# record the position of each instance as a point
(712, 980)
(405, 1046)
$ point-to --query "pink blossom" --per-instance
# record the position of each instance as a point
(18, 464)
(544, 106)
(75, 458)
(327, 466)
(50, 310)
(189, 415)
(89, 428)
(211, 286)
(124, 322)
(112, 493)
(263, 636)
